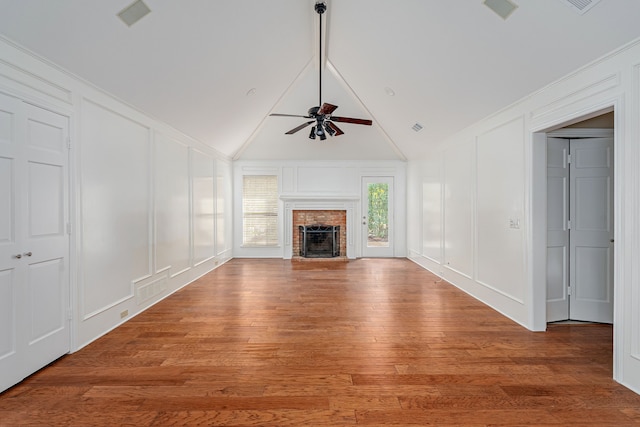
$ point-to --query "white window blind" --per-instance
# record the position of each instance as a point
(260, 210)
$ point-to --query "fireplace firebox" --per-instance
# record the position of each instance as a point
(319, 241)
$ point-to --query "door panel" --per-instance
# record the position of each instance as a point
(46, 285)
(591, 253)
(580, 257)
(46, 198)
(7, 206)
(377, 217)
(7, 314)
(12, 365)
(46, 239)
(557, 230)
(34, 245)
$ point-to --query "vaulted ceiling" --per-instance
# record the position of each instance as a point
(216, 69)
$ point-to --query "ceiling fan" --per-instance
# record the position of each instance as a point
(321, 116)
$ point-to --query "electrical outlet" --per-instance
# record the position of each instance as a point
(124, 314)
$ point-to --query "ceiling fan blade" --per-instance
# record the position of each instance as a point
(327, 109)
(335, 128)
(302, 126)
(289, 115)
(352, 120)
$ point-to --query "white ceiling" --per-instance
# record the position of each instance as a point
(193, 63)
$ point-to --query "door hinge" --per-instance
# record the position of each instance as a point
(568, 159)
(69, 314)
(69, 228)
(568, 290)
(69, 143)
(568, 225)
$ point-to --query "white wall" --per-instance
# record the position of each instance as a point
(330, 183)
(479, 199)
(151, 208)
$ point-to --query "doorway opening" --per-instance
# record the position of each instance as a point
(580, 228)
(579, 200)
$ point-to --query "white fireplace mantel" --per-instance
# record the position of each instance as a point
(348, 203)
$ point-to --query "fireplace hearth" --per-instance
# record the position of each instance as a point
(319, 241)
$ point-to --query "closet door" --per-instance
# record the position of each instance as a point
(557, 229)
(34, 244)
(591, 241)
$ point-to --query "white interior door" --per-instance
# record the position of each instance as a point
(557, 229)
(377, 217)
(580, 229)
(34, 245)
(591, 241)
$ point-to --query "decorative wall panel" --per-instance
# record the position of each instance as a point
(116, 241)
(172, 210)
(500, 209)
(224, 197)
(458, 209)
(326, 180)
(204, 207)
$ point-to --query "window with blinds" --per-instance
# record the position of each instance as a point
(260, 210)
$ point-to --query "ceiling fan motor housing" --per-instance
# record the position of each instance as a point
(321, 7)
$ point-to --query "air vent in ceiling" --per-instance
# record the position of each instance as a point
(503, 8)
(417, 127)
(134, 12)
(580, 6)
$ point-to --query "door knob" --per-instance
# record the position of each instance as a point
(18, 256)
(28, 254)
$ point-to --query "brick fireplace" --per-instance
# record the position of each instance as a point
(317, 209)
(319, 217)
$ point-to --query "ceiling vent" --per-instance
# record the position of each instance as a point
(134, 12)
(580, 6)
(417, 127)
(503, 8)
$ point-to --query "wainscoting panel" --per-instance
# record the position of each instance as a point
(500, 209)
(224, 203)
(172, 211)
(115, 185)
(458, 208)
(204, 207)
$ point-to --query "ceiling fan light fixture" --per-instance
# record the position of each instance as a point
(312, 134)
(320, 132)
(328, 129)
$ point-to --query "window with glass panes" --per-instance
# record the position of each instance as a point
(260, 210)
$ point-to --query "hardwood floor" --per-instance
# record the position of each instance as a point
(370, 342)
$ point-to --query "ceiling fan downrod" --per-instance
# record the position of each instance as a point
(320, 8)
